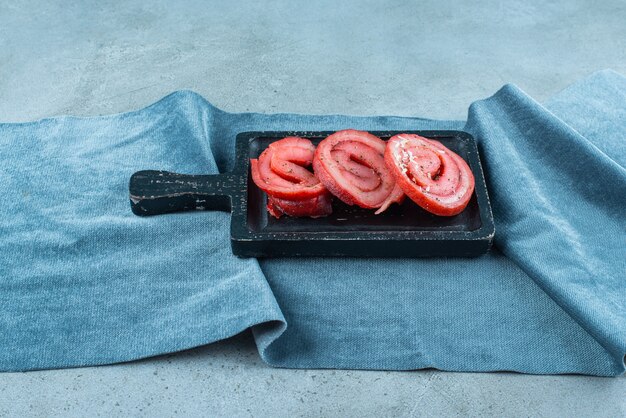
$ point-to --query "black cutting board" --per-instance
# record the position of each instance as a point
(402, 231)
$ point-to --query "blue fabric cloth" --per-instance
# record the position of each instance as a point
(83, 281)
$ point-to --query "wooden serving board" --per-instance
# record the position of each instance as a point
(402, 231)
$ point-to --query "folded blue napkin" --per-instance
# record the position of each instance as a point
(83, 281)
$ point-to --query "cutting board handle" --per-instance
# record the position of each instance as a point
(155, 192)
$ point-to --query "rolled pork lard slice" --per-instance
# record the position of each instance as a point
(430, 174)
(281, 171)
(352, 167)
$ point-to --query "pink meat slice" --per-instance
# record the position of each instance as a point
(351, 166)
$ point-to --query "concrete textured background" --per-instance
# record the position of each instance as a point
(429, 59)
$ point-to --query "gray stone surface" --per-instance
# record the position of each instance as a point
(429, 59)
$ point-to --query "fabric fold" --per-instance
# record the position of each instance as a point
(84, 282)
(559, 206)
